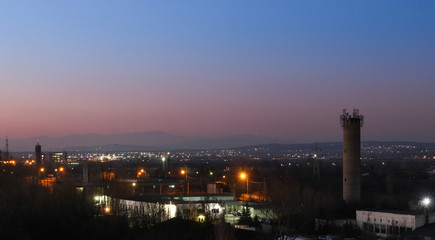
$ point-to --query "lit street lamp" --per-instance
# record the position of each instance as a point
(184, 172)
(163, 166)
(426, 204)
(134, 186)
(243, 176)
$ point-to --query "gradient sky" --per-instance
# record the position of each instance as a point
(214, 68)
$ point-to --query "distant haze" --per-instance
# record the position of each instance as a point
(147, 141)
(136, 141)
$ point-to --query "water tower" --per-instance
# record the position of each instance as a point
(351, 155)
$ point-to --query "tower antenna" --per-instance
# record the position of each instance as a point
(7, 148)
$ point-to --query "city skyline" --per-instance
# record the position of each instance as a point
(284, 69)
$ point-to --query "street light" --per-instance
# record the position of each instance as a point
(134, 187)
(163, 165)
(426, 204)
(184, 172)
(243, 176)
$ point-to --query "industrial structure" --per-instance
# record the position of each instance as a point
(7, 155)
(38, 154)
(351, 155)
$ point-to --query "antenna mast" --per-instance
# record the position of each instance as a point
(7, 149)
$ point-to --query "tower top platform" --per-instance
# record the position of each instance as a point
(354, 117)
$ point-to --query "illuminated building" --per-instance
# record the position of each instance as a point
(57, 157)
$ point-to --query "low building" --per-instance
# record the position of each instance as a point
(386, 223)
(194, 207)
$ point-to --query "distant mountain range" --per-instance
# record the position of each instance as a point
(138, 141)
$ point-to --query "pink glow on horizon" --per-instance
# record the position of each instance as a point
(286, 70)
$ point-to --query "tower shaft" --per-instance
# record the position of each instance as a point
(351, 155)
(38, 154)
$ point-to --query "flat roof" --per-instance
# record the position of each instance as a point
(402, 212)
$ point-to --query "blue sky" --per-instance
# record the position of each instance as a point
(213, 68)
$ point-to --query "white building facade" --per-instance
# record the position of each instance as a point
(390, 223)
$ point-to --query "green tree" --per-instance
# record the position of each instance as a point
(245, 219)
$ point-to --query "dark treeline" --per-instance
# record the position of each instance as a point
(296, 196)
(30, 211)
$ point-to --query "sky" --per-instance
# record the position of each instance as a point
(283, 69)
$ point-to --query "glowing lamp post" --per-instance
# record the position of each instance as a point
(141, 173)
(244, 176)
(163, 165)
(134, 187)
(184, 172)
(426, 204)
(41, 170)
